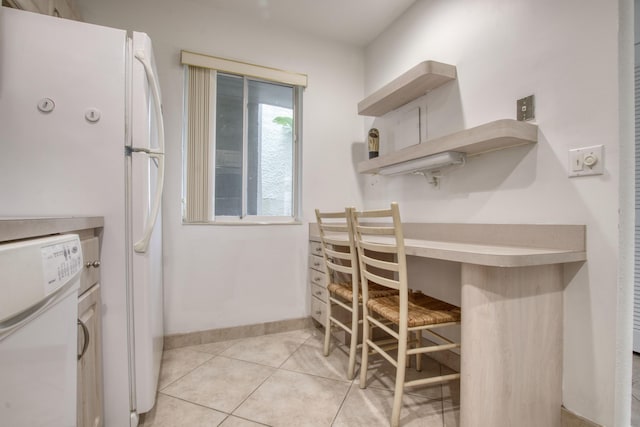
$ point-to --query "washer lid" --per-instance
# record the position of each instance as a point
(31, 270)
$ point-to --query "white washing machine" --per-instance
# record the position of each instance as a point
(39, 281)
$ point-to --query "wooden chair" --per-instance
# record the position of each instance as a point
(341, 266)
(380, 245)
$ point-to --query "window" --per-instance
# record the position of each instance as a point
(242, 145)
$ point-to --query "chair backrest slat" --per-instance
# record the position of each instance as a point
(389, 283)
(376, 230)
(338, 254)
(381, 264)
(378, 247)
(337, 228)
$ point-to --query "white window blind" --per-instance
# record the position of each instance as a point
(198, 160)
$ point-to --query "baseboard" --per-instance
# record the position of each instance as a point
(569, 419)
(235, 332)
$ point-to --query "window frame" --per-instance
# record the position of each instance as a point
(243, 218)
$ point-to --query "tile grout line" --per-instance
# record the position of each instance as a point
(346, 395)
(254, 390)
(444, 422)
(195, 404)
(184, 375)
(293, 352)
(243, 418)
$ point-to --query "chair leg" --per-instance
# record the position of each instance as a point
(400, 377)
(365, 348)
(354, 342)
(327, 326)
(419, 355)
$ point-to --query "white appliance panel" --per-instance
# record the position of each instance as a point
(38, 344)
(38, 369)
(58, 163)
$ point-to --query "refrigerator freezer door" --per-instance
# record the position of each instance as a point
(146, 289)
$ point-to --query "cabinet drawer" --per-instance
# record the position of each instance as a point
(319, 292)
(91, 255)
(318, 310)
(315, 248)
(316, 262)
(317, 278)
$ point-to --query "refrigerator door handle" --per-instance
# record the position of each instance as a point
(142, 245)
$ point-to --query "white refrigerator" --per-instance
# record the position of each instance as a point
(81, 134)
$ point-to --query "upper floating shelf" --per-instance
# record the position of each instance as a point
(411, 85)
(490, 136)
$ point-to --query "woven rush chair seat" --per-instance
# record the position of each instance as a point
(423, 309)
(345, 291)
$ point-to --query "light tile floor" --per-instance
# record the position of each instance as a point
(284, 380)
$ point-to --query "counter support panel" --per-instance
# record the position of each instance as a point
(511, 358)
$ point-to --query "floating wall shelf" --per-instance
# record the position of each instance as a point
(491, 136)
(411, 85)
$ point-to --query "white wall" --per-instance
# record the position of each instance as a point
(566, 53)
(219, 276)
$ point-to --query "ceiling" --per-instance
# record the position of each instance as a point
(355, 22)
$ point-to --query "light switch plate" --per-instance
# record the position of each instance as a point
(586, 161)
(525, 108)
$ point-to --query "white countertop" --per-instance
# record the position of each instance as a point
(488, 254)
(24, 228)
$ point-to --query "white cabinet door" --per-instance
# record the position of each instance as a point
(90, 411)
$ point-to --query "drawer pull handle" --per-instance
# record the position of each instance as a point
(318, 292)
(318, 312)
(318, 249)
(316, 264)
(316, 279)
(94, 264)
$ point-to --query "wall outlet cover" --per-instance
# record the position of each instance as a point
(525, 108)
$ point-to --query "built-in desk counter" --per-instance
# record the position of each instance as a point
(512, 279)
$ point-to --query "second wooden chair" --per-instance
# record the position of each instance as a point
(382, 257)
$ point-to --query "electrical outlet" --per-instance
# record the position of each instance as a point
(586, 161)
(525, 108)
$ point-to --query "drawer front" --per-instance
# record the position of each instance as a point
(315, 248)
(318, 310)
(319, 292)
(317, 278)
(316, 262)
(91, 271)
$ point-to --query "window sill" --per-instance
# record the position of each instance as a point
(244, 223)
